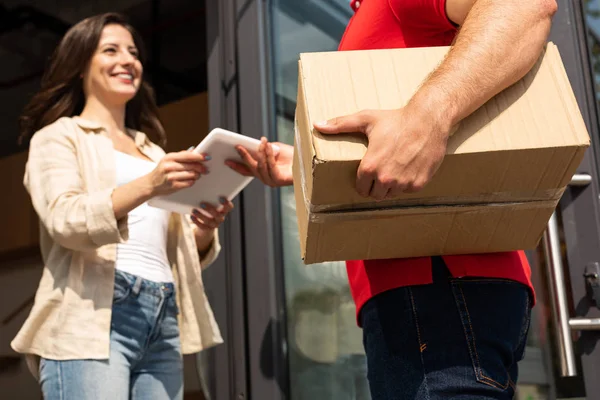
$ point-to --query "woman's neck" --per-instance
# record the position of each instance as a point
(112, 118)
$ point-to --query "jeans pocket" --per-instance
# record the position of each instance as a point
(520, 353)
(495, 317)
(173, 304)
(41, 368)
(122, 288)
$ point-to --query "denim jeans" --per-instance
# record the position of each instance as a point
(458, 338)
(145, 354)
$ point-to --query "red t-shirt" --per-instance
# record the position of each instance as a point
(382, 24)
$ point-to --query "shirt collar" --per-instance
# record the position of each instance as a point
(87, 124)
(139, 137)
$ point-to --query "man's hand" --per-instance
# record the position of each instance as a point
(404, 152)
(273, 169)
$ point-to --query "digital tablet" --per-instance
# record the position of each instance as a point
(220, 181)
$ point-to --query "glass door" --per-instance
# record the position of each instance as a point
(326, 359)
(223, 369)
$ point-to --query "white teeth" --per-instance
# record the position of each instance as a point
(125, 76)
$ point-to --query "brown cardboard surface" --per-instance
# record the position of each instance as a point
(524, 144)
(505, 169)
(402, 232)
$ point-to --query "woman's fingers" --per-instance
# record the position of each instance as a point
(209, 216)
(187, 156)
(204, 220)
(174, 166)
(182, 179)
(200, 223)
(226, 206)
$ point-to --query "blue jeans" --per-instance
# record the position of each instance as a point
(453, 339)
(145, 354)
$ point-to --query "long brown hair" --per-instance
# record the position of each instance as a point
(61, 92)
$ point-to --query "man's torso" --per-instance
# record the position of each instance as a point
(385, 24)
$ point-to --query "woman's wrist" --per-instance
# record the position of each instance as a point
(145, 187)
(131, 195)
(204, 240)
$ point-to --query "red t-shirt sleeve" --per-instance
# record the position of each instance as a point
(425, 15)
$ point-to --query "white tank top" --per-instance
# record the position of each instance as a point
(145, 253)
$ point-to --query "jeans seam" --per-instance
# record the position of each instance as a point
(157, 320)
(60, 380)
(414, 309)
(469, 346)
(478, 370)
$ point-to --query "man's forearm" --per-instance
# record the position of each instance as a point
(497, 45)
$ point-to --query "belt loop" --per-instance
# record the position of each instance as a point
(137, 286)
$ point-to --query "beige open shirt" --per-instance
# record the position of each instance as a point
(70, 175)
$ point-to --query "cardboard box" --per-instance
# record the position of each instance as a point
(505, 169)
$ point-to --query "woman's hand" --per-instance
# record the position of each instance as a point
(174, 172)
(177, 171)
(273, 169)
(208, 218)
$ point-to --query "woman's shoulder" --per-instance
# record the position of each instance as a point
(62, 128)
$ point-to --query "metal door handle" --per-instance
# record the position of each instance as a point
(584, 324)
(558, 293)
(581, 180)
(558, 298)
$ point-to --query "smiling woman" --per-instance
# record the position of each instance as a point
(62, 91)
(115, 71)
(117, 272)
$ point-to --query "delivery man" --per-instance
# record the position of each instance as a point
(449, 327)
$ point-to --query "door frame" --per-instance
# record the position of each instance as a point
(265, 295)
(223, 368)
(245, 285)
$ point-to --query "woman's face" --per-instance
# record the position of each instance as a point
(114, 73)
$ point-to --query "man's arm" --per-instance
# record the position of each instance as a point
(498, 43)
